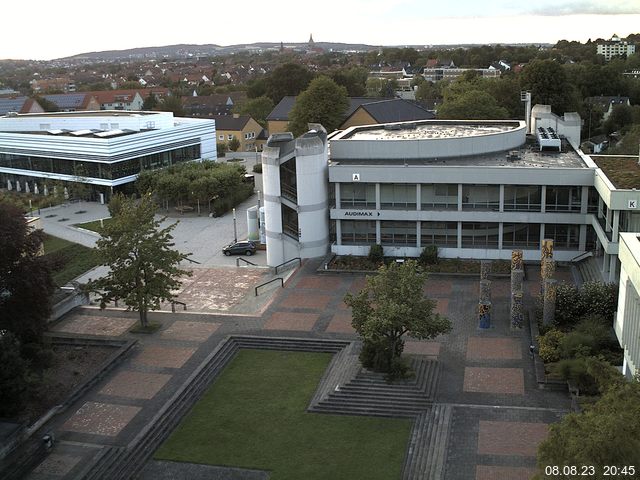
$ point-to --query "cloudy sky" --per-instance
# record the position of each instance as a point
(41, 29)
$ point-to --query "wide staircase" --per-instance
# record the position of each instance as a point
(589, 269)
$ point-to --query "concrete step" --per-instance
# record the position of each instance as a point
(364, 411)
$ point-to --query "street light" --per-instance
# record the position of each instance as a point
(235, 229)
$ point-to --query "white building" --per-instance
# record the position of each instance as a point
(627, 322)
(615, 47)
(106, 149)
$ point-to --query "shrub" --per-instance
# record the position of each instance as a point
(549, 345)
(567, 305)
(576, 344)
(599, 298)
(599, 328)
(221, 148)
(429, 255)
(376, 254)
(257, 168)
(575, 370)
(14, 371)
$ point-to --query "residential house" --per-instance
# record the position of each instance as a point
(61, 84)
(242, 127)
(607, 103)
(129, 100)
(19, 105)
(210, 105)
(387, 111)
(73, 102)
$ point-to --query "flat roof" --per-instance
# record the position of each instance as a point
(85, 113)
(526, 156)
(622, 170)
(433, 130)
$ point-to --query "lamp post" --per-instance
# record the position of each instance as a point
(235, 229)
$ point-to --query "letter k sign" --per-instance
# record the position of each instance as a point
(633, 204)
(356, 177)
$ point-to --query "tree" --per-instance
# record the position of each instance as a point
(171, 104)
(258, 109)
(234, 144)
(144, 266)
(287, 79)
(47, 105)
(629, 143)
(25, 278)
(150, 102)
(547, 81)
(391, 305)
(323, 102)
(608, 433)
(472, 105)
(354, 79)
(13, 375)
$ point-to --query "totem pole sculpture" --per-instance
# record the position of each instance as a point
(484, 303)
(517, 278)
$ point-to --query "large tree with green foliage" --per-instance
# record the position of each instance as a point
(607, 433)
(472, 105)
(323, 102)
(171, 104)
(548, 83)
(287, 79)
(391, 305)
(14, 372)
(354, 79)
(257, 108)
(25, 278)
(144, 265)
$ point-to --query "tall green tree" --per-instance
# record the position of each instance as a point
(323, 102)
(171, 104)
(25, 277)
(287, 79)
(354, 79)
(144, 265)
(14, 372)
(393, 304)
(607, 433)
(548, 83)
(150, 102)
(472, 105)
(257, 108)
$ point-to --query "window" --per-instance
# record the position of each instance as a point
(220, 137)
(398, 196)
(563, 199)
(481, 197)
(519, 198)
(521, 235)
(479, 235)
(398, 233)
(439, 196)
(358, 232)
(358, 195)
(565, 237)
(230, 137)
(442, 234)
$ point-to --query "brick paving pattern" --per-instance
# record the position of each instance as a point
(95, 325)
(340, 323)
(493, 472)
(442, 306)
(494, 380)
(135, 384)
(57, 465)
(164, 356)
(190, 331)
(303, 322)
(491, 348)
(324, 282)
(306, 300)
(510, 438)
(101, 418)
(436, 288)
(431, 349)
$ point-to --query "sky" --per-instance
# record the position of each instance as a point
(45, 30)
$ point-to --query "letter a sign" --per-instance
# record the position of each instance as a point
(356, 177)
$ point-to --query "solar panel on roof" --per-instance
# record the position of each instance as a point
(55, 132)
(79, 133)
(109, 133)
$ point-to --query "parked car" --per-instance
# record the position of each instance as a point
(246, 247)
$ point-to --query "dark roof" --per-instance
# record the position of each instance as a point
(208, 100)
(606, 101)
(397, 110)
(281, 110)
(229, 122)
(12, 104)
(67, 100)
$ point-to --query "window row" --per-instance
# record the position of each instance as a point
(445, 234)
(403, 196)
(107, 171)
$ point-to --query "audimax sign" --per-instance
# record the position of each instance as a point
(360, 213)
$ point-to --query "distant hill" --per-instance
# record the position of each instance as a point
(188, 50)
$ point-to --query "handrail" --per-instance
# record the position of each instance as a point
(193, 261)
(173, 305)
(267, 283)
(288, 261)
(245, 261)
(586, 254)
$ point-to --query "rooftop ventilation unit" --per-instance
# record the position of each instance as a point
(548, 138)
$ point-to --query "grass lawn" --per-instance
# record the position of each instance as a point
(75, 259)
(254, 416)
(94, 226)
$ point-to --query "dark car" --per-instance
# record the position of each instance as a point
(239, 248)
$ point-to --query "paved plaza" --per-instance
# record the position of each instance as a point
(486, 377)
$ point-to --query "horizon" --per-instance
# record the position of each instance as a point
(375, 22)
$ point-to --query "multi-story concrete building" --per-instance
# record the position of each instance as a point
(627, 321)
(615, 47)
(105, 149)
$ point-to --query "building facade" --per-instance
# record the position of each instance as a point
(105, 149)
(615, 47)
(627, 321)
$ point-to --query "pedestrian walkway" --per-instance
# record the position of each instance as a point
(491, 415)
